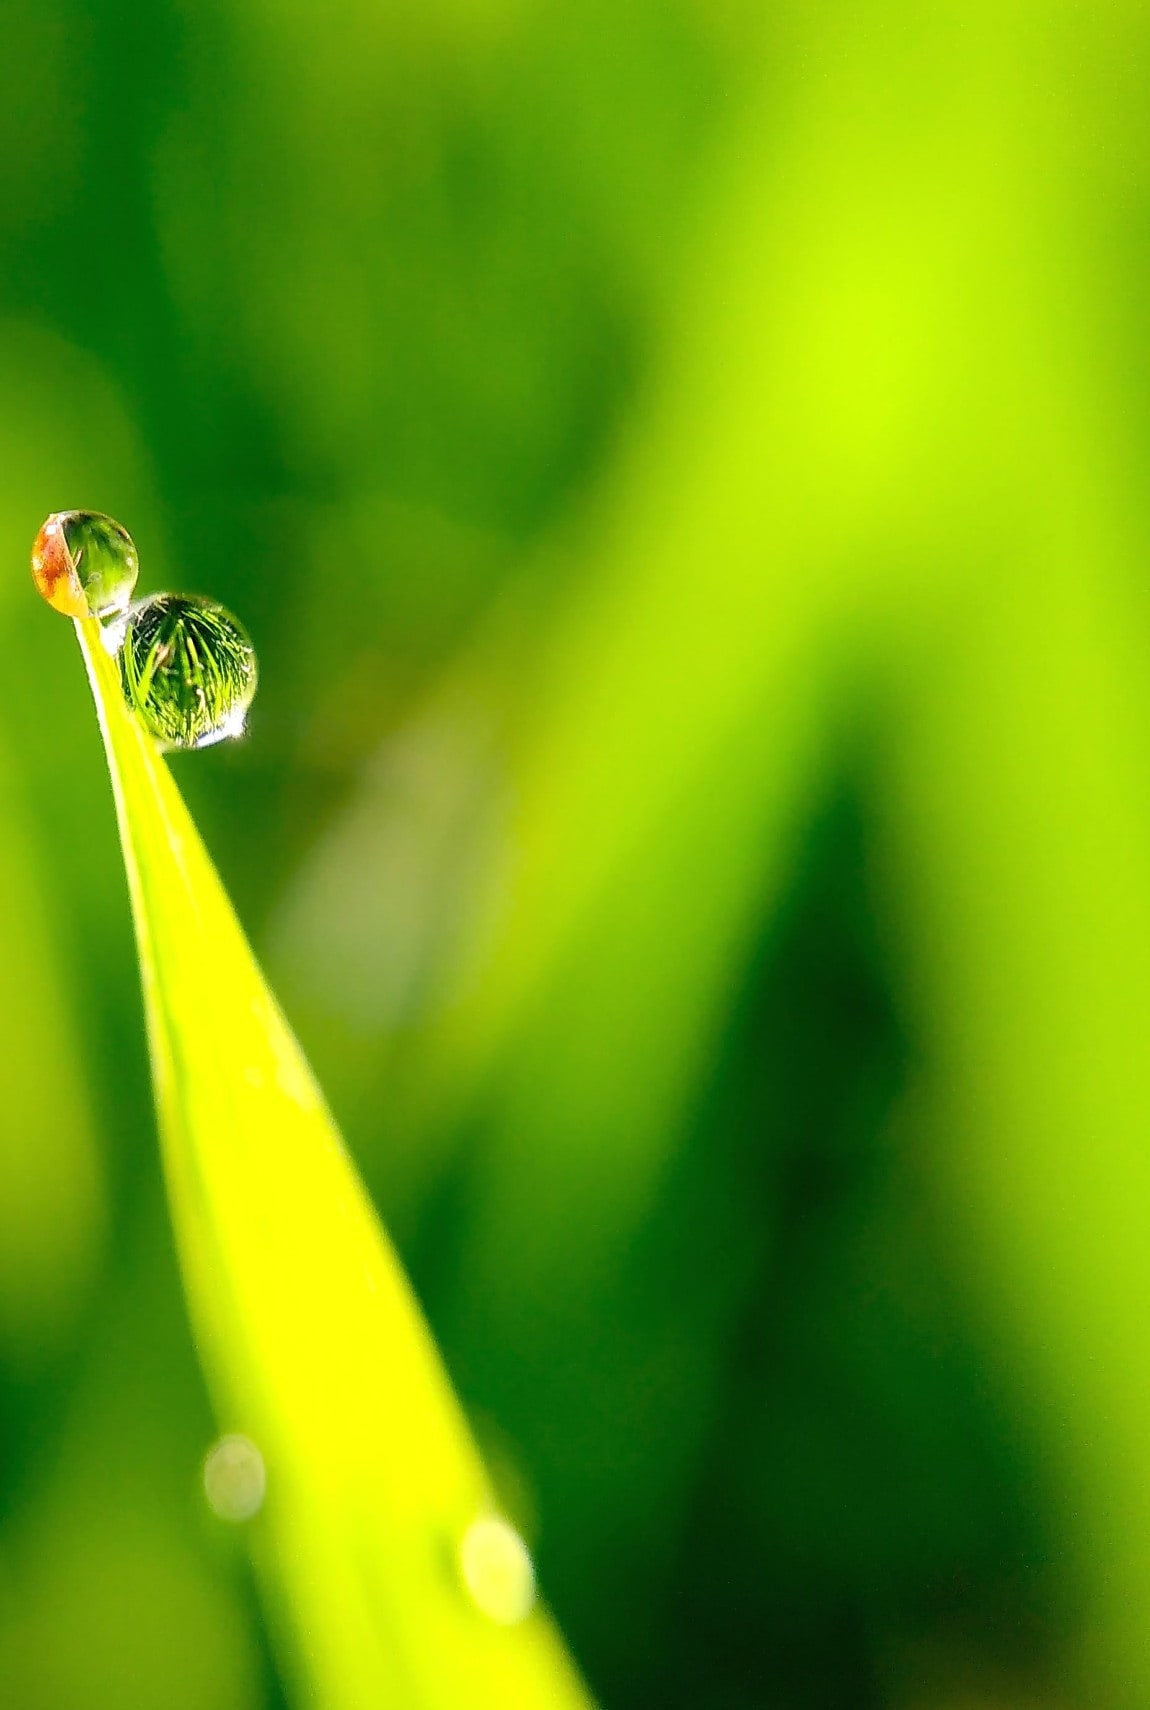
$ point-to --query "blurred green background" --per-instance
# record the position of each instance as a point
(686, 470)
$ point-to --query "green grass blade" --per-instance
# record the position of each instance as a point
(313, 1342)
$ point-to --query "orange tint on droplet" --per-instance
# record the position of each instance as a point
(53, 571)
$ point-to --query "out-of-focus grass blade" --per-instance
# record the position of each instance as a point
(373, 1538)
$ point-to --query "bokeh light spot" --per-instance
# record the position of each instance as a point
(235, 1479)
(497, 1570)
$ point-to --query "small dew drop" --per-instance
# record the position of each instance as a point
(497, 1570)
(187, 669)
(235, 1479)
(85, 564)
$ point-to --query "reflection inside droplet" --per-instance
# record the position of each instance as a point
(235, 1479)
(84, 564)
(497, 1570)
(187, 669)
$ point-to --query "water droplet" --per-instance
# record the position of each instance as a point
(497, 1570)
(235, 1478)
(188, 669)
(84, 564)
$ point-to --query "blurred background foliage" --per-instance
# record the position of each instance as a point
(685, 469)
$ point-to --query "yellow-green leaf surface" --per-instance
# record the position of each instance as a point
(313, 1342)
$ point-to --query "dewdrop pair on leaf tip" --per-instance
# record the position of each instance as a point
(187, 666)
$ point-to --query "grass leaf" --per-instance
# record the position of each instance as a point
(312, 1340)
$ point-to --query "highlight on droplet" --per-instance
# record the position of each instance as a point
(235, 1478)
(497, 1570)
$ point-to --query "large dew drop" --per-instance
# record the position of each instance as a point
(85, 565)
(188, 670)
